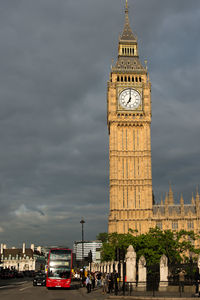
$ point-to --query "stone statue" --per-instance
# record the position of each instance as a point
(163, 273)
(131, 265)
(142, 274)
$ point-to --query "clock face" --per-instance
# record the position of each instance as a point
(130, 99)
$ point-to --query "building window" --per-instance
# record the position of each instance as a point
(174, 225)
(190, 225)
(159, 225)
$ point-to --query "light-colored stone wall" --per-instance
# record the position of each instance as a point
(131, 201)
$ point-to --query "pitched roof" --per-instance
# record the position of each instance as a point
(15, 252)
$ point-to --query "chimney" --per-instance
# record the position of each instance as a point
(23, 248)
(1, 248)
(32, 247)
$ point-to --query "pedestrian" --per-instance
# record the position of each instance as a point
(115, 279)
(197, 280)
(98, 279)
(181, 280)
(104, 283)
(93, 280)
(110, 283)
(88, 283)
(83, 279)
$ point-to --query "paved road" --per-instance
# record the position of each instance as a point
(26, 291)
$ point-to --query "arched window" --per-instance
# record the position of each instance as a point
(140, 79)
(122, 78)
(125, 79)
(129, 79)
(122, 50)
(133, 79)
(117, 78)
(136, 79)
(128, 50)
(133, 51)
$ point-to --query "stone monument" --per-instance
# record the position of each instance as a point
(142, 274)
(131, 265)
(163, 273)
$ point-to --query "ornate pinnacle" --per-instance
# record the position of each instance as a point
(127, 34)
(126, 13)
(126, 4)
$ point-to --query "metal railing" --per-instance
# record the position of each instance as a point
(151, 289)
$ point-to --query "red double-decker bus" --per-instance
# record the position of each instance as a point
(59, 268)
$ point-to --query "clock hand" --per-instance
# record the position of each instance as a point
(129, 97)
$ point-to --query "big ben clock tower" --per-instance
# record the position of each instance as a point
(129, 127)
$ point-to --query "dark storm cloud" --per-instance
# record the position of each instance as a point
(55, 62)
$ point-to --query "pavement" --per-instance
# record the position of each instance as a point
(149, 295)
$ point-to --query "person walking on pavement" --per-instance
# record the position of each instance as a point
(98, 279)
(93, 280)
(197, 281)
(110, 283)
(181, 280)
(103, 283)
(115, 279)
(88, 283)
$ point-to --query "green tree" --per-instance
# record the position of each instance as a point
(103, 236)
(175, 245)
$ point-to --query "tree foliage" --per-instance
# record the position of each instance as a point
(152, 245)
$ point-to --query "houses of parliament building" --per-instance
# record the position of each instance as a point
(129, 126)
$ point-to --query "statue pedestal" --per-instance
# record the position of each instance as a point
(141, 286)
(163, 286)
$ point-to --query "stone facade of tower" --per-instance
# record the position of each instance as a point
(129, 121)
(129, 127)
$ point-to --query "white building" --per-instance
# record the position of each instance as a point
(94, 246)
(21, 259)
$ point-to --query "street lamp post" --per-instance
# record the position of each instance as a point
(82, 223)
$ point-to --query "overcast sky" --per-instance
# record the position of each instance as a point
(55, 62)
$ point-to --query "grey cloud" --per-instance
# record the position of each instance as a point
(55, 62)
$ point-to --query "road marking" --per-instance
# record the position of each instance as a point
(24, 288)
(21, 282)
(4, 286)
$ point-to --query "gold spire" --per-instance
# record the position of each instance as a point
(127, 33)
(182, 200)
(193, 201)
(197, 195)
(161, 202)
(166, 199)
(171, 196)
